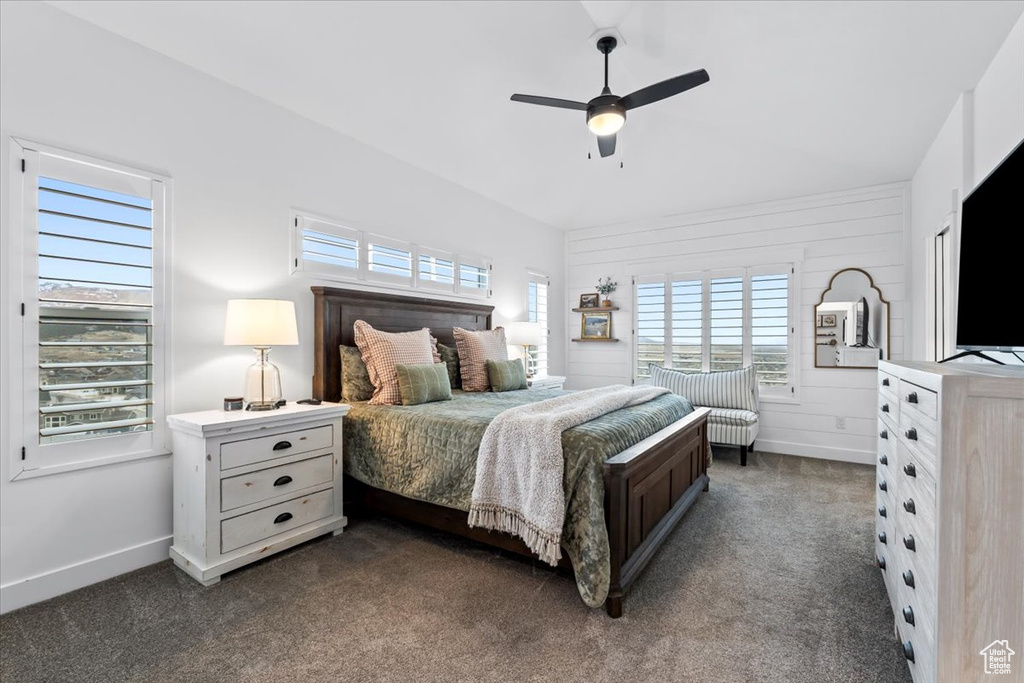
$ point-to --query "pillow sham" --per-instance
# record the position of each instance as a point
(475, 349)
(450, 357)
(507, 375)
(423, 383)
(382, 351)
(355, 380)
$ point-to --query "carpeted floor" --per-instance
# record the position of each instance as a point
(769, 577)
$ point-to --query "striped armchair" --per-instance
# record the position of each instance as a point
(731, 395)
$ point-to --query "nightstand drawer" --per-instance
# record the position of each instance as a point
(253, 487)
(246, 452)
(260, 525)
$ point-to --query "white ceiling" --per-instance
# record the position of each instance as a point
(804, 97)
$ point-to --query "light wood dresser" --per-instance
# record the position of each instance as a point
(950, 517)
(249, 484)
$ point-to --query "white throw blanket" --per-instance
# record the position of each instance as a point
(519, 469)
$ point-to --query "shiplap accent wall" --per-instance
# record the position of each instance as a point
(862, 228)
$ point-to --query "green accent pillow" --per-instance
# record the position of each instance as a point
(451, 358)
(355, 380)
(506, 375)
(423, 383)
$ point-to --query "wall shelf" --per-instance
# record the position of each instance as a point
(595, 340)
(595, 308)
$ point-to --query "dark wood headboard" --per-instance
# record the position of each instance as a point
(336, 310)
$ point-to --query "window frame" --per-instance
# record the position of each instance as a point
(768, 394)
(536, 278)
(29, 458)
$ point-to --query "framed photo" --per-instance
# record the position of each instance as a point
(590, 300)
(596, 326)
(828, 320)
(819, 321)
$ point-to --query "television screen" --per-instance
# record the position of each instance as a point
(991, 262)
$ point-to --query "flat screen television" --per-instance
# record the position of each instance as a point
(862, 323)
(991, 282)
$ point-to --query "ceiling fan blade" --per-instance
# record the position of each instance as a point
(606, 145)
(550, 102)
(667, 88)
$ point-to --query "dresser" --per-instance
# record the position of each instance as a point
(950, 516)
(249, 484)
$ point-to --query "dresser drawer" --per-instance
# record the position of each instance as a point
(888, 385)
(262, 524)
(248, 451)
(889, 409)
(886, 447)
(916, 495)
(919, 400)
(254, 487)
(918, 436)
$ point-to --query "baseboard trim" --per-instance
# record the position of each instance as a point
(51, 584)
(822, 452)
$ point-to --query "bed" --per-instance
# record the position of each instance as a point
(641, 491)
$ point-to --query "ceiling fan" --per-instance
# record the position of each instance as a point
(607, 112)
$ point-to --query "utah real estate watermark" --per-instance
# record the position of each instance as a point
(997, 657)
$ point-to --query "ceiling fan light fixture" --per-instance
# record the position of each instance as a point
(606, 119)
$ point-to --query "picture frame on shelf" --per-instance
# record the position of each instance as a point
(596, 325)
(819, 321)
(590, 300)
(828, 320)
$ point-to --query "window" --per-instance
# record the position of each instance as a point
(91, 281)
(715, 321)
(325, 248)
(537, 310)
(938, 312)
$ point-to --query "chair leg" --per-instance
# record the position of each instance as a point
(743, 456)
(751, 446)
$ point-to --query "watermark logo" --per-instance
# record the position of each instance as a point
(997, 657)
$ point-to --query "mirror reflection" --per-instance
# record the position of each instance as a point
(851, 323)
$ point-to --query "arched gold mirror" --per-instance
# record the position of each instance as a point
(851, 322)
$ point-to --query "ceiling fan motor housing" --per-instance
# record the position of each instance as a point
(605, 104)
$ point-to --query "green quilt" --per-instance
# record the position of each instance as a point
(428, 452)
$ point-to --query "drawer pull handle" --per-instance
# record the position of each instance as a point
(883, 459)
(880, 561)
(882, 486)
(881, 537)
(910, 470)
(908, 651)
(909, 506)
(908, 578)
(908, 615)
(885, 382)
(882, 512)
(283, 517)
(884, 433)
(281, 445)
(281, 481)
(912, 434)
(912, 397)
(908, 542)
(885, 407)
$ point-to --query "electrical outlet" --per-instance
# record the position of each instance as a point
(840, 423)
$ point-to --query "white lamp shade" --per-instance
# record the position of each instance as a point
(524, 334)
(260, 322)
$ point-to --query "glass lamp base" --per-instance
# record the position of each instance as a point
(262, 382)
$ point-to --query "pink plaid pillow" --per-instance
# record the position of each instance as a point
(383, 351)
(475, 349)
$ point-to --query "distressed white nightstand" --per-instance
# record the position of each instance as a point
(546, 382)
(249, 484)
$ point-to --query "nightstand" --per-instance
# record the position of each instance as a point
(546, 382)
(249, 484)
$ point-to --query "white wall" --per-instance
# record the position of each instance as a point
(238, 165)
(859, 228)
(984, 125)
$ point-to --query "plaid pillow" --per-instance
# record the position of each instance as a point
(423, 383)
(475, 349)
(507, 375)
(382, 351)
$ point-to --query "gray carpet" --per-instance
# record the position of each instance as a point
(769, 577)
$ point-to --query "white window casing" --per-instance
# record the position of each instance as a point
(537, 303)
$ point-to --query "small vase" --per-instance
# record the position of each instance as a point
(607, 303)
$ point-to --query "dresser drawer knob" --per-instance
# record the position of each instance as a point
(283, 517)
(908, 542)
(912, 434)
(880, 561)
(884, 459)
(883, 486)
(908, 615)
(908, 578)
(282, 445)
(281, 481)
(910, 470)
(908, 651)
(881, 537)
(909, 506)
(881, 511)
(884, 433)
(885, 382)
(912, 397)
(885, 407)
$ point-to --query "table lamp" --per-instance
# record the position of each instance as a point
(524, 334)
(261, 324)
